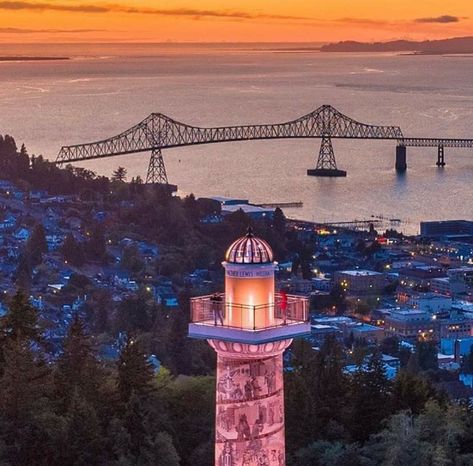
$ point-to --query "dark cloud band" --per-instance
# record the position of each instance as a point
(188, 12)
(46, 31)
(439, 19)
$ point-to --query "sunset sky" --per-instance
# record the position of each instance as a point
(232, 20)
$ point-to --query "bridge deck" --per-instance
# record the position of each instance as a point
(158, 131)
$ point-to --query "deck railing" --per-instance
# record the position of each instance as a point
(214, 310)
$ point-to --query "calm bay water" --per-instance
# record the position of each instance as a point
(104, 90)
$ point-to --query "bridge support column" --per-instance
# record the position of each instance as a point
(326, 164)
(156, 169)
(441, 157)
(401, 158)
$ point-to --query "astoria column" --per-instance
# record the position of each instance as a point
(249, 326)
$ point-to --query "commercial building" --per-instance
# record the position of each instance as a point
(441, 286)
(456, 346)
(429, 302)
(455, 326)
(445, 228)
(319, 333)
(351, 328)
(360, 281)
(411, 325)
(419, 277)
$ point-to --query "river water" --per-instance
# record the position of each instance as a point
(104, 90)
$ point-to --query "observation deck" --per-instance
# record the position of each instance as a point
(213, 317)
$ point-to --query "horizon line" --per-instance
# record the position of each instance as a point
(223, 42)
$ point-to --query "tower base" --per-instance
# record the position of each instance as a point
(249, 404)
(330, 172)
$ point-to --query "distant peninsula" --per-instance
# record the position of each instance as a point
(456, 45)
(21, 58)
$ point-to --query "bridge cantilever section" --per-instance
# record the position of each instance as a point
(158, 132)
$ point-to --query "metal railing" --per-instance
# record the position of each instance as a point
(214, 310)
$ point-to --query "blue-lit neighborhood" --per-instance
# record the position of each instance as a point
(367, 288)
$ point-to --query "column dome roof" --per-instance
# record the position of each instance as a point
(249, 249)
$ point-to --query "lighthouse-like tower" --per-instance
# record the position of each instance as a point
(249, 326)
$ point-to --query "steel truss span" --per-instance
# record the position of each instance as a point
(158, 131)
(437, 142)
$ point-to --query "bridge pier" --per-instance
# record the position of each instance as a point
(326, 164)
(401, 158)
(156, 169)
(441, 157)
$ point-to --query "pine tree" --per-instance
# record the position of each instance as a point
(24, 271)
(369, 398)
(135, 374)
(96, 246)
(135, 424)
(77, 370)
(426, 352)
(119, 443)
(411, 392)
(84, 434)
(21, 321)
(22, 383)
(119, 174)
(160, 450)
(73, 251)
(398, 445)
(330, 387)
(132, 315)
(279, 221)
(37, 244)
(37, 241)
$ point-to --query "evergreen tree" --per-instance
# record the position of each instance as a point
(99, 308)
(21, 321)
(135, 374)
(135, 423)
(84, 440)
(330, 388)
(22, 383)
(73, 251)
(323, 453)
(119, 175)
(132, 260)
(426, 352)
(133, 314)
(37, 244)
(411, 392)
(160, 450)
(398, 445)
(369, 398)
(24, 271)
(279, 221)
(78, 371)
(299, 411)
(191, 405)
(119, 441)
(95, 246)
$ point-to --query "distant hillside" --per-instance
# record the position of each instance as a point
(454, 45)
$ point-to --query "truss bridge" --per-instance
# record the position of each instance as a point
(158, 132)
